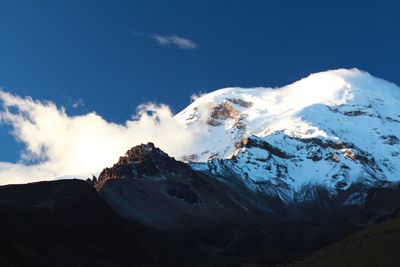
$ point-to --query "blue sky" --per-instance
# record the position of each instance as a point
(111, 56)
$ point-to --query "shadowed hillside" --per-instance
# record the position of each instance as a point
(376, 246)
(66, 223)
(62, 223)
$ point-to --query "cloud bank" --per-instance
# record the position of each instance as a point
(59, 145)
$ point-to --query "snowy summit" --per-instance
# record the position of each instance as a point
(333, 128)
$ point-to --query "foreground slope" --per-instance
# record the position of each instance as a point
(377, 246)
(64, 223)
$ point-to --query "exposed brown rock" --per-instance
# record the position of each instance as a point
(240, 102)
(224, 111)
(333, 157)
(214, 122)
(326, 143)
(255, 142)
(139, 161)
(190, 158)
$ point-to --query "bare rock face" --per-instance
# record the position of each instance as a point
(149, 187)
(240, 102)
(220, 113)
(224, 111)
(141, 161)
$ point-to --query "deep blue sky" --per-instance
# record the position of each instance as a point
(68, 50)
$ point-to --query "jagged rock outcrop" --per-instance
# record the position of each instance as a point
(148, 186)
(141, 161)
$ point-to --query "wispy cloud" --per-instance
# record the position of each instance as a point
(75, 103)
(169, 40)
(78, 103)
(174, 40)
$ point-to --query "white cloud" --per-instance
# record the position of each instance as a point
(63, 145)
(174, 40)
(169, 40)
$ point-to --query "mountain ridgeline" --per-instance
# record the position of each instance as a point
(278, 174)
(149, 187)
(226, 222)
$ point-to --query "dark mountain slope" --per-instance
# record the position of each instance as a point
(376, 246)
(66, 223)
(151, 210)
(63, 223)
(148, 186)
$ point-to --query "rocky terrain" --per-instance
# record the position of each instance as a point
(148, 186)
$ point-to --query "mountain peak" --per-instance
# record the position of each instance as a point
(141, 153)
(140, 161)
(344, 106)
(333, 87)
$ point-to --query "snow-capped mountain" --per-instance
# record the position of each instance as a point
(335, 129)
(278, 172)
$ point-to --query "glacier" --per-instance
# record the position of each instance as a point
(335, 128)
